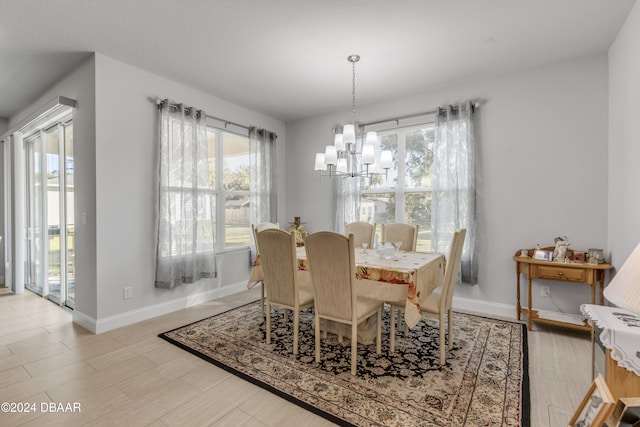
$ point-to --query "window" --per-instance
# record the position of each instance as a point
(404, 194)
(229, 173)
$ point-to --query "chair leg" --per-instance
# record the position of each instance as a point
(296, 324)
(268, 322)
(406, 327)
(317, 338)
(450, 325)
(379, 331)
(392, 331)
(262, 297)
(354, 345)
(442, 343)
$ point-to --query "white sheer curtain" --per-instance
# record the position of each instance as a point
(185, 206)
(348, 195)
(347, 202)
(454, 188)
(262, 159)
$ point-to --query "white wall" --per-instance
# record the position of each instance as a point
(624, 144)
(2, 232)
(4, 124)
(115, 139)
(541, 170)
(79, 85)
(126, 145)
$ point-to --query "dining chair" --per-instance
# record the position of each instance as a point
(405, 233)
(363, 232)
(280, 268)
(255, 229)
(331, 261)
(438, 304)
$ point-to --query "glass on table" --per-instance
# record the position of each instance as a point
(396, 246)
(364, 249)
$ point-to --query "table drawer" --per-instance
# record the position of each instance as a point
(560, 273)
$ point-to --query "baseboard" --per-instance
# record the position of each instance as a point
(98, 326)
(485, 308)
(87, 322)
(466, 305)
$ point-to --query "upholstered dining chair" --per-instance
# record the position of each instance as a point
(331, 261)
(255, 229)
(280, 268)
(405, 233)
(439, 304)
(363, 232)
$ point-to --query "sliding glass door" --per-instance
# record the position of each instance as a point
(50, 268)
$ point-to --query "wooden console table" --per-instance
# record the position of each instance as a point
(589, 274)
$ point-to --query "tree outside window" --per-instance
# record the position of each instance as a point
(404, 193)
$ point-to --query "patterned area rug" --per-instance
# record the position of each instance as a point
(484, 383)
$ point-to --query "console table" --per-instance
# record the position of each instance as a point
(588, 274)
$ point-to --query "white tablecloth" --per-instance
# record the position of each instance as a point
(620, 333)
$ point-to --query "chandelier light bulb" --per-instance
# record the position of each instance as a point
(320, 164)
(368, 154)
(386, 159)
(330, 155)
(349, 135)
(339, 142)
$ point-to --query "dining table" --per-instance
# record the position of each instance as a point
(405, 276)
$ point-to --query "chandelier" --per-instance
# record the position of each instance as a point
(341, 159)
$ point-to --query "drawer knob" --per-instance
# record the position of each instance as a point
(560, 273)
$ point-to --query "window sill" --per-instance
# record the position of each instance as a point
(233, 250)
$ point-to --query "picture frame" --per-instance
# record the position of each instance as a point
(542, 255)
(579, 257)
(596, 406)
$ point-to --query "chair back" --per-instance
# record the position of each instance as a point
(255, 229)
(405, 233)
(279, 265)
(363, 232)
(451, 271)
(331, 261)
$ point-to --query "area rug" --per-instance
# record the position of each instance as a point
(484, 383)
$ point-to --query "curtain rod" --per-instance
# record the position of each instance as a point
(159, 102)
(474, 105)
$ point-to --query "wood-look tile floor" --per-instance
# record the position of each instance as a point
(131, 377)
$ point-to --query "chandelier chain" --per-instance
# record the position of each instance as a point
(353, 93)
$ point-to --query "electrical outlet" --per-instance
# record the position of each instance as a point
(127, 292)
(545, 291)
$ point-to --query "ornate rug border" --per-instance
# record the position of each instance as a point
(525, 420)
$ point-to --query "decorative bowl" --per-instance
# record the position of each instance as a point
(386, 251)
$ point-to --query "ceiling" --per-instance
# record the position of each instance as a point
(287, 58)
